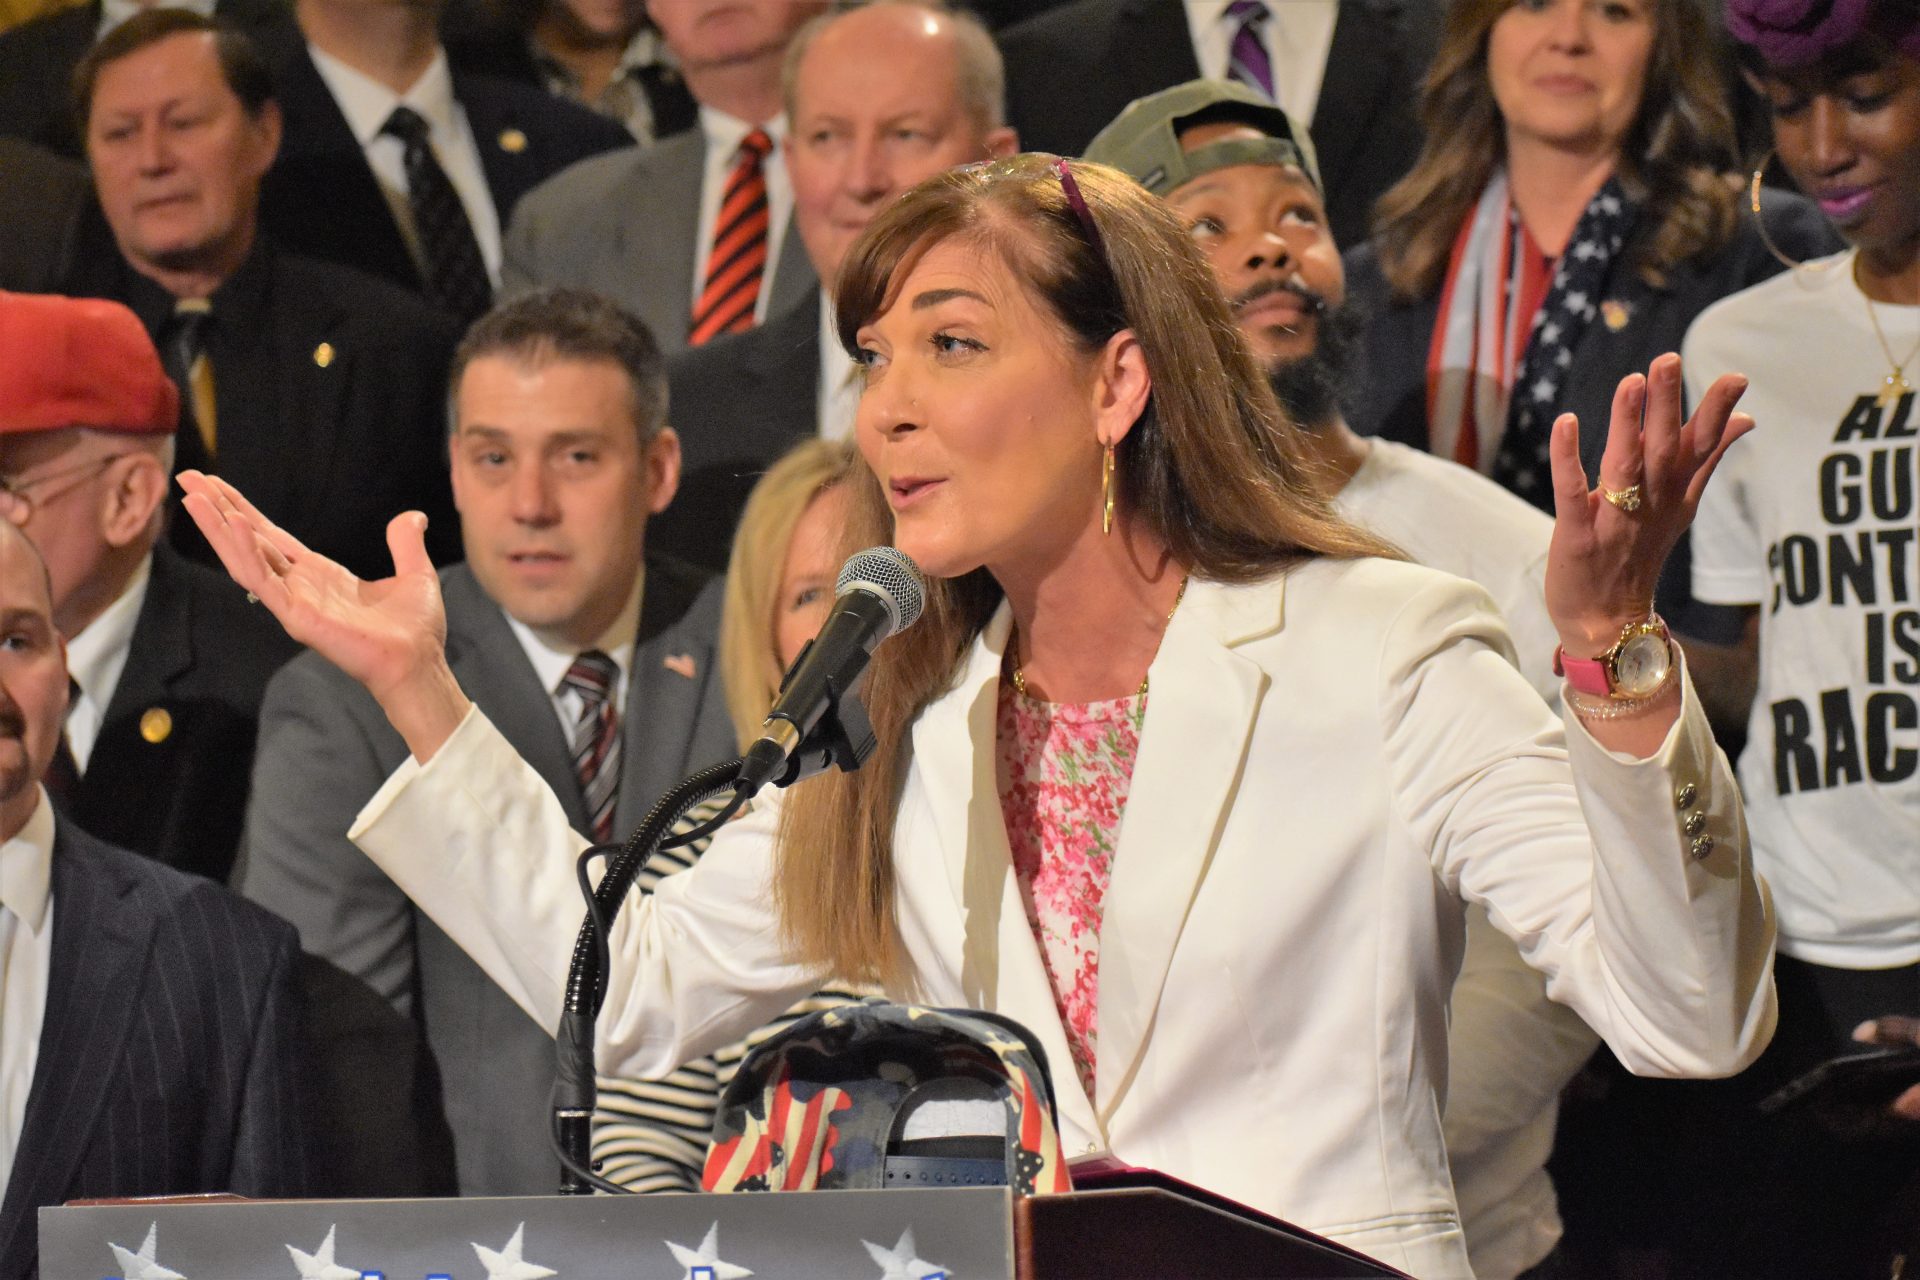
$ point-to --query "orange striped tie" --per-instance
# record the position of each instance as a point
(739, 257)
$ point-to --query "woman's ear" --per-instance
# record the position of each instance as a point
(1122, 387)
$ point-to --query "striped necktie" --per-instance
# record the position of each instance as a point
(738, 260)
(184, 352)
(595, 741)
(1247, 59)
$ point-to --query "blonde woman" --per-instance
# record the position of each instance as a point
(781, 575)
(651, 1135)
(1139, 610)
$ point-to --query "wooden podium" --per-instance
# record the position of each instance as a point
(1137, 1224)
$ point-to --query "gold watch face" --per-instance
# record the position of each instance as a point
(1642, 665)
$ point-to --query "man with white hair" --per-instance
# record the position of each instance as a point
(168, 663)
(879, 99)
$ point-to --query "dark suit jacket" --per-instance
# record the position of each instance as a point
(331, 392)
(1071, 71)
(1388, 396)
(325, 748)
(507, 54)
(321, 199)
(738, 402)
(168, 774)
(46, 206)
(168, 1058)
(37, 60)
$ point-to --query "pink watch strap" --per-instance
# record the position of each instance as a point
(1586, 675)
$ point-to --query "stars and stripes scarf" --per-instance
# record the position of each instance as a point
(1510, 317)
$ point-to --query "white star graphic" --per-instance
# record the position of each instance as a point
(899, 1262)
(1577, 300)
(507, 1263)
(1563, 358)
(1543, 391)
(319, 1265)
(1586, 249)
(1550, 331)
(1609, 204)
(704, 1263)
(141, 1266)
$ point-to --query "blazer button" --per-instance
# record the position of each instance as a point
(1685, 796)
(1701, 847)
(1696, 823)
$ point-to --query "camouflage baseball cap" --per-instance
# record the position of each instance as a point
(1143, 141)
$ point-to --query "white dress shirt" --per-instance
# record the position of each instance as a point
(551, 656)
(1298, 35)
(724, 135)
(95, 659)
(839, 386)
(26, 957)
(366, 103)
(115, 12)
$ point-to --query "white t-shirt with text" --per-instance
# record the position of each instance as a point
(1813, 519)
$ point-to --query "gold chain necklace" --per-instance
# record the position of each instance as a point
(1013, 648)
(1895, 384)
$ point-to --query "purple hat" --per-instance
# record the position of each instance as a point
(1792, 33)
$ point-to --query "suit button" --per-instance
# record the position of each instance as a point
(1685, 796)
(1701, 847)
(1696, 823)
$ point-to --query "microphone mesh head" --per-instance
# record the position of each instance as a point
(887, 573)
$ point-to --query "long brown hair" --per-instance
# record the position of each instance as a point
(1675, 159)
(1211, 467)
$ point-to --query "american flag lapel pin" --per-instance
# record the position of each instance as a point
(681, 664)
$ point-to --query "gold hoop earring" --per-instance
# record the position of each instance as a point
(1760, 223)
(1106, 491)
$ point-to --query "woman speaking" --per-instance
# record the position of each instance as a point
(1177, 769)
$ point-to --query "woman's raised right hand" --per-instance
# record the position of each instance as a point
(389, 635)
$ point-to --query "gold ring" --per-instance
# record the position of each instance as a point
(1627, 499)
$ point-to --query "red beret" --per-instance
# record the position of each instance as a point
(80, 362)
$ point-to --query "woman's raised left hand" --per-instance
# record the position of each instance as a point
(1605, 559)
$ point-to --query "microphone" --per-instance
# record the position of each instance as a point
(878, 594)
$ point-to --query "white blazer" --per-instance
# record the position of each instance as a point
(1330, 762)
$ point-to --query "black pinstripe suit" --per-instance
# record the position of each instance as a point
(167, 1058)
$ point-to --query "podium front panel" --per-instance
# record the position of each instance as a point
(951, 1234)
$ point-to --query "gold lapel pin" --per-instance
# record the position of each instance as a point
(1616, 313)
(156, 725)
(323, 354)
(513, 141)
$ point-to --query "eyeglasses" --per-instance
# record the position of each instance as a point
(17, 494)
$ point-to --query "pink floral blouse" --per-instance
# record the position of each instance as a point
(1064, 771)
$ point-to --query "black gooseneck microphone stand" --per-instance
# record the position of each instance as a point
(843, 737)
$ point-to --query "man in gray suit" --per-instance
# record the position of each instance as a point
(879, 99)
(559, 456)
(638, 224)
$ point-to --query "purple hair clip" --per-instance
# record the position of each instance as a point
(1078, 204)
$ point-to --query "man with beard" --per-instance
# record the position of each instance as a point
(1241, 176)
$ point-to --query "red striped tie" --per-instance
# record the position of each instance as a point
(739, 257)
